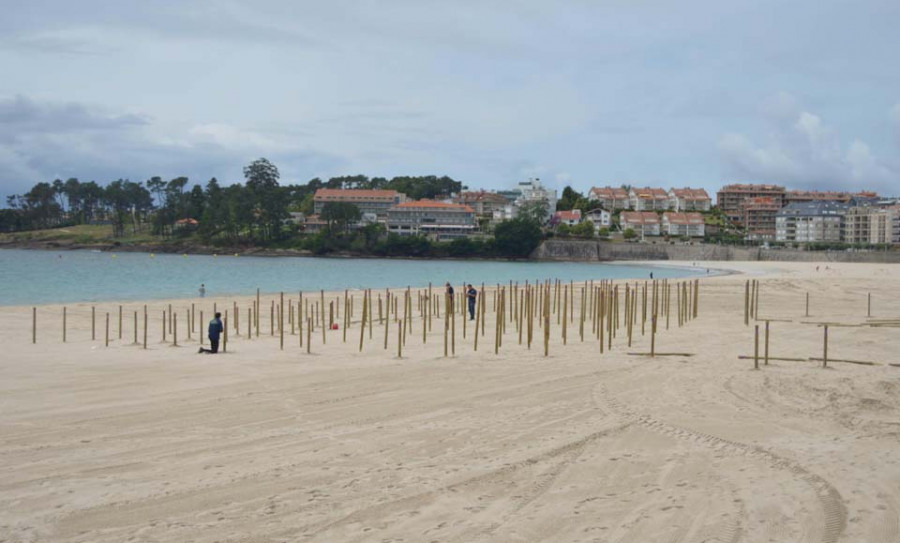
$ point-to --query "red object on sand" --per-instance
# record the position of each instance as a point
(334, 326)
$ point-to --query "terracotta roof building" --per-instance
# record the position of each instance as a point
(684, 224)
(610, 197)
(730, 199)
(373, 202)
(570, 218)
(645, 223)
(483, 202)
(648, 199)
(758, 216)
(438, 220)
(688, 199)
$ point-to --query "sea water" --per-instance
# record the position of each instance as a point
(30, 277)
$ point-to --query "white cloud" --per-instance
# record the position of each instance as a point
(803, 151)
(894, 114)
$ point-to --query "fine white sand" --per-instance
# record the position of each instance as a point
(114, 444)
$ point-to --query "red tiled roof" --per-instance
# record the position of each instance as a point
(691, 194)
(431, 204)
(573, 215)
(648, 193)
(481, 196)
(610, 193)
(683, 218)
(338, 194)
(640, 217)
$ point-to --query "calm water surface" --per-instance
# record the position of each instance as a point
(44, 277)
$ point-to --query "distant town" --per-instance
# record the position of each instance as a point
(439, 216)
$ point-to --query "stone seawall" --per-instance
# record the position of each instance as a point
(587, 251)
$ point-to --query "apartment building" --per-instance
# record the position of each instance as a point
(437, 220)
(483, 202)
(370, 202)
(875, 225)
(758, 216)
(648, 199)
(730, 199)
(688, 199)
(611, 198)
(811, 222)
(793, 196)
(645, 223)
(689, 224)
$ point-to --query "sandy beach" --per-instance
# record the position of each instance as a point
(118, 443)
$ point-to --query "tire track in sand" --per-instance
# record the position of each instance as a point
(830, 500)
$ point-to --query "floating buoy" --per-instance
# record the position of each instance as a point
(235, 254)
(184, 255)
(152, 255)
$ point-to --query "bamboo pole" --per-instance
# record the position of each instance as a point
(322, 309)
(825, 348)
(106, 337)
(308, 335)
(64, 325)
(145, 328)
(400, 327)
(281, 321)
(756, 348)
(120, 322)
(225, 333)
(135, 329)
(94, 324)
(747, 303)
(766, 351)
(362, 324)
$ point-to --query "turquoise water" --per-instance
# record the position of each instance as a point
(44, 277)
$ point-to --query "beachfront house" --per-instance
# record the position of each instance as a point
(600, 218)
(645, 223)
(689, 224)
(568, 218)
(872, 225)
(648, 199)
(439, 221)
(688, 199)
(611, 198)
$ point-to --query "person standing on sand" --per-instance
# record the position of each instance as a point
(215, 330)
(202, 290)
(450, 294)
(471, 295)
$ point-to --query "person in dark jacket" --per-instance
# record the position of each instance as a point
(215, 330)
(471, 295)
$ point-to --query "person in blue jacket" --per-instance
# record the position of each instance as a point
(471, 296)
(215, 330)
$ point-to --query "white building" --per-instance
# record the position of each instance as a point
(437, 220)
(645, 223)
(648, 199)
(610, 197)
(533, 192)
(684, 224)
(569, 218)
(689, 199)
(600, 218)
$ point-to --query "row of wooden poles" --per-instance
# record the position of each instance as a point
(752, 288)
(606, 306)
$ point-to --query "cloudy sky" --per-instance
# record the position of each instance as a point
(805, 93)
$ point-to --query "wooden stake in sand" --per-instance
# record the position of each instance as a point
(308, 334)
(106, 339)
(135, 329)
(281, 322)
(825, 347)
(201, 327)
(225, 333)
(756, 348)
(807, 303)
(145, 328)
(120, 322)
(64, 324)
(400, 327)
(33, 325)
(94, 324)
(766, 351)
(747, 303)
(869, 306)
(322, 295)
(653, 336)
(174, 329)
(362, 324)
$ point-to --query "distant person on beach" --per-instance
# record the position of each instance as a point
(651, 275)
(202, 290)
(450, 294)
(215, 330)
(471, 295)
